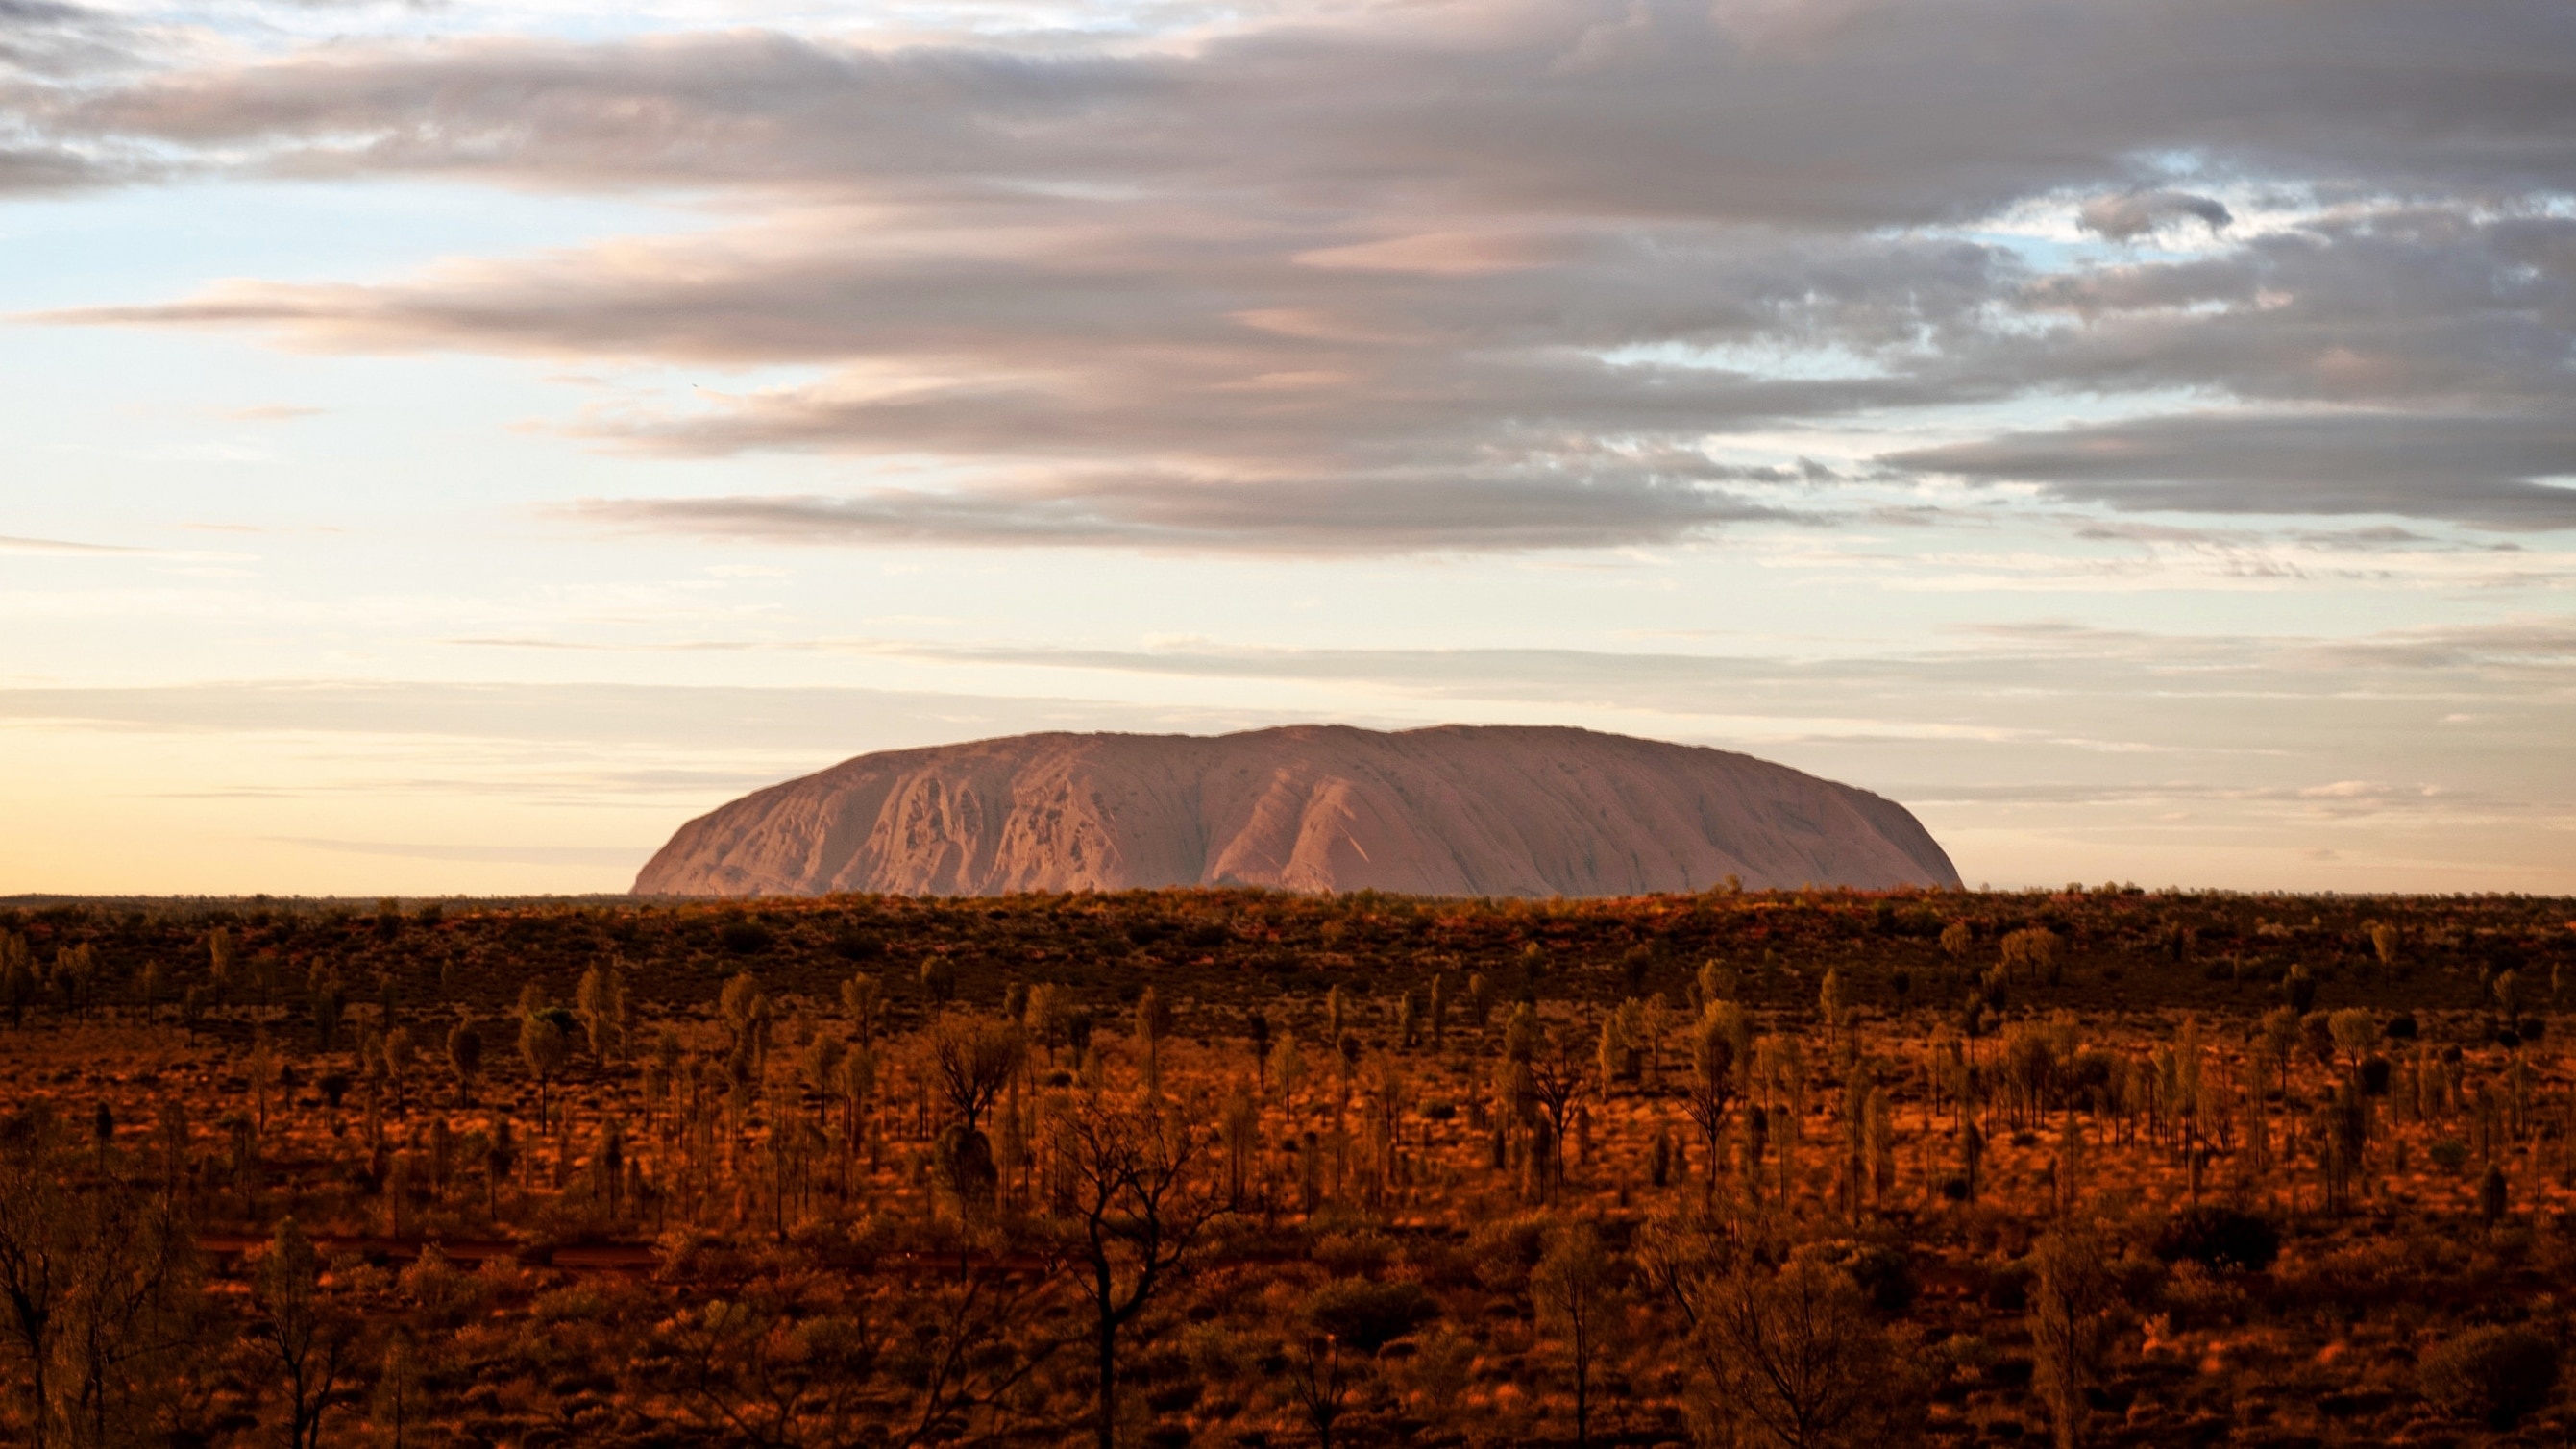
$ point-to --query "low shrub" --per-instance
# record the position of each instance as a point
(1883, 1273)
(2497, 1374)
(1354, 1253)
(1504, 1250)
(1368, 1316)
(2219, 1237)
(2374, 1075)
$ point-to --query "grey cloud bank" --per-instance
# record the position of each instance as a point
(1479, 278)
(2482, 468)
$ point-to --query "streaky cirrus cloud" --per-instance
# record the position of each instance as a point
(1606, 507)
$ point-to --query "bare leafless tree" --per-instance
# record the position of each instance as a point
(312, 1343)
(132, 1320)
(789, 1365)
(1138, 1212)
(1557, 1079)
(1320, 1380)
(99, 1301)
(1574, 1288)
(974, 1058)
(35, 1267)
(1787, 1357)
(754, 1369)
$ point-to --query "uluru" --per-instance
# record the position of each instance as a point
(1454, 810)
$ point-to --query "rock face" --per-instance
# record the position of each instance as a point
(1456, 810)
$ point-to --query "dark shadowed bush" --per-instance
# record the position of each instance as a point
(1883, 1273)
(2496, 1373)
(1885, 1276)
(2374, 1076)
(1504, 1250)
(2219, 1237)
(1368, 1316)
(2006, 1287)
(963, 1159)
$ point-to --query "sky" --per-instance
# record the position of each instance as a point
(446, 445)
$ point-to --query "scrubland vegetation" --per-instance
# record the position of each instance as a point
(1207, 1168)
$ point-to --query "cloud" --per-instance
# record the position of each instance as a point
(42, 40)
(1301, 516)
(1104, 395)
(1438, 254)
(622, 856)
(270, 413)
(2391, 305)
(1852, 114)
(816, 725)
(570, 784)
(2536, 643)
(2482, 469)
(2131, 215)
(36, 169)
(1491, 277)
(51, 55)
(63, 546)
(1991, 665)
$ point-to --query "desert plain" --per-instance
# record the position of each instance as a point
(1212, 1167)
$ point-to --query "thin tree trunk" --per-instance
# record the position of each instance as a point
(1582, 1399)
(1108, 1426)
